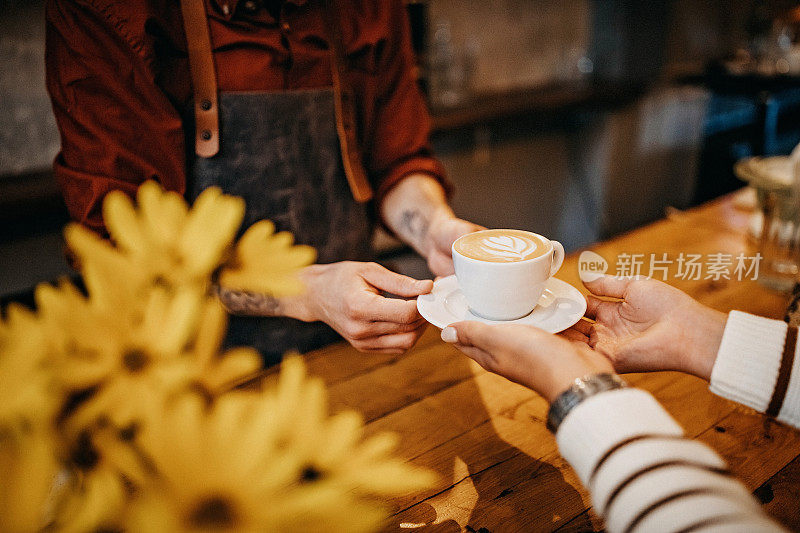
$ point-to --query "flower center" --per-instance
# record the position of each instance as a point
(310, 474)
(214, 512)
(84, 455)
(135, 360)
(127, 434)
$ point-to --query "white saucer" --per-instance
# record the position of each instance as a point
(560, 306)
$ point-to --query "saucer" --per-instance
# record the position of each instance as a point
(560, 306)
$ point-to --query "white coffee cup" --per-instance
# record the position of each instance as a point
(510, 288)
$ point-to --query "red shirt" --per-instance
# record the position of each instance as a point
(118, 77)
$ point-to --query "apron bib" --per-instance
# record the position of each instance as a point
(293, 156)
(280, 152)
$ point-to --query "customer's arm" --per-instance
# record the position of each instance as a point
(757, 365)
(643, 474)
(652, 326)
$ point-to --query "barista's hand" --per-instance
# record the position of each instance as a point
(652, 326)
(347, 296)
(527, 355)
(443, 230)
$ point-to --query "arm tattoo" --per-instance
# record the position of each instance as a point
(415, 222)
(248, 303)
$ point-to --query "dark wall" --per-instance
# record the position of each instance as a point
(28, 138)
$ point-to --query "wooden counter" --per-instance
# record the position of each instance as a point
(500, 468)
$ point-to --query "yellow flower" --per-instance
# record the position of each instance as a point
(237, 465)
(332, 448)
(131, 363)
(105, 468)
(216, 372)
(266, 262)
(172, 342)
(27, 409)
(27, 470)
(167, 240)
(25, 396)
(113, 281)
(123, 366)
(161, 240)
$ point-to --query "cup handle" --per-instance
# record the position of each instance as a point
(558, 258)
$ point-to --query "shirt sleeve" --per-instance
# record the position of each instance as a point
(748, 362)
(117, 127)
(400, 143)
(644, 475)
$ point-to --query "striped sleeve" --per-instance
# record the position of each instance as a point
(644, 475)
(755, 366)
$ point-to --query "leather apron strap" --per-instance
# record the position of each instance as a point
(204, 84)
(345, 111)
(204, 78)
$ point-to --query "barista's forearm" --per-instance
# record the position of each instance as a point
(246, 303)
(411, 206)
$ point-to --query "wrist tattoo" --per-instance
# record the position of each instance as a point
(248, 303)
(415, 222)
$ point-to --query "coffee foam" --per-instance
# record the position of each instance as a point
(501, 246)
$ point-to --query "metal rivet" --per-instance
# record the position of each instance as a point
(226, 9)
(205, 105)
(205, 135)
(285, 26)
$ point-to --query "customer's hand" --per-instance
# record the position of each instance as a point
(651, 326)
(546, 363)
(347, 296)
(443, 231)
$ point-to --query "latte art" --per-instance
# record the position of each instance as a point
(501, 246)
(510, 247)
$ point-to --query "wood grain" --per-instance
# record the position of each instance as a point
(780, 495)
(499, 467)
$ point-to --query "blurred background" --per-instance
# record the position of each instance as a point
(577, 119)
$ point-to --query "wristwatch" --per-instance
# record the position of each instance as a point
(580, 389)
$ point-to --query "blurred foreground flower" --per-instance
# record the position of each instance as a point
(166, 239)
(270, 461)
(118, 409)
(162, 241)
(102, 469)
(27, 469)
(260, 251)
(171, 344)
(25, 398)
(27, 455)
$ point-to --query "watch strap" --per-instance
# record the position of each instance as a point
(578, 391)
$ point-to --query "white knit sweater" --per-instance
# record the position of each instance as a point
(747, 365)
(644, 475)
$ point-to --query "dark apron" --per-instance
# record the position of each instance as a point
(280, 152)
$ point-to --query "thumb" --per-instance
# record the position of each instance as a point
(451, 231)
(471, 333)
(395, 283)
(610, 286)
